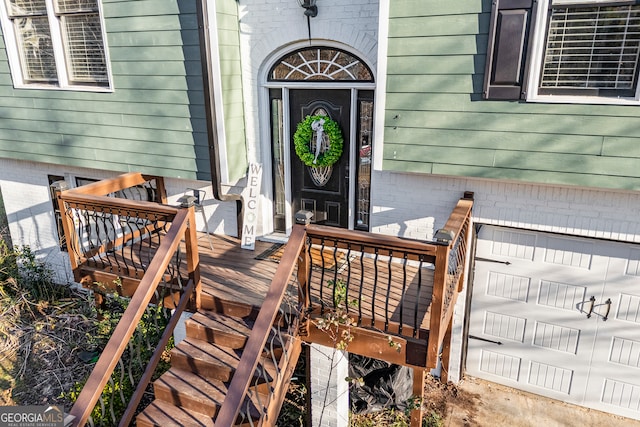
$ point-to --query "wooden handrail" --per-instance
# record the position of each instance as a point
(260, 332)
(369, 241)
(116, 204)
(118, 342)
(458, 223)
(111, 185)
(129, 413)
(458, 217)
(94, 196)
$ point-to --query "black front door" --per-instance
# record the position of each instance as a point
(325, 193)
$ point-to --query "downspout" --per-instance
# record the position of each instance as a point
(210, 113)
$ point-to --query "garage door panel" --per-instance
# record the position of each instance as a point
(549, 377)
(625, 351)
(628, 308)
(568, 252)
(508, 286)
(499, 364)
(622, 395)
(504, 327)
(563, 296)
(556, 337)
(513, 244)
(532, 293)
(632, 264)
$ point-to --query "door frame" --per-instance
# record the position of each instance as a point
(265, 147)
(338, 186)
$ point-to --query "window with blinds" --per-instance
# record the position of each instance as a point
(59, 42)
(593, 50)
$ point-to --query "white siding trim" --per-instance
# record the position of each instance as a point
(381, 81)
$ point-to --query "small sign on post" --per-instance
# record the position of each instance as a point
(251, 197)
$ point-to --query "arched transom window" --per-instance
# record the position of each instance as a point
(320, 64)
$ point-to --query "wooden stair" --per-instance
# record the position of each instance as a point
(202, 366)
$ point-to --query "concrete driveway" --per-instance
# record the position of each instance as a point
(481, 403)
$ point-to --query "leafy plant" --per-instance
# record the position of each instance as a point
(433, 419)
(337, 323)
(23, 275)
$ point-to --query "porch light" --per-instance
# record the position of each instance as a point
(310, 8)
(187, 201)
(443, 236)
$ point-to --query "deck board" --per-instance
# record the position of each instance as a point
(231, 273)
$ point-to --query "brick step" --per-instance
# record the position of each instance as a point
(195, 393)
(214, 361)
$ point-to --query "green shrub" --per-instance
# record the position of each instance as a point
(22, 275)
(8, 263)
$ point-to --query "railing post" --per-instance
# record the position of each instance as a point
(446, 352)
(193, 259)
(304, 298)
(437, 303)
(67, 225)
(162, 191)
(418, 394)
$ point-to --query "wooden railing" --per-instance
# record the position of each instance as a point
(113, 229)
(404, 288)
(451, 263)
(140, 243)
(370, 268)
(238, 397)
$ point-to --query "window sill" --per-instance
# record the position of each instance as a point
(597, 100)
(96, 89)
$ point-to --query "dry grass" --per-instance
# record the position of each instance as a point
(40, 343)
(43, 328)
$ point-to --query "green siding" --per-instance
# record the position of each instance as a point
(230, 70)
(153, 121)
(437, 123)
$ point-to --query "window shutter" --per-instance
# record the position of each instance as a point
(511, 21)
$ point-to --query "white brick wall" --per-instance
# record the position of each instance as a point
(269, 29)
(415, 206)
(25, 191)
(329, 389)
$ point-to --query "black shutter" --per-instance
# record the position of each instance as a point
(511, 21)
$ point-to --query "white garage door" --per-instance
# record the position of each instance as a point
(558, 316)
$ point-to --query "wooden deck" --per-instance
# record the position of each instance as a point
(234, 274)
(402, 290)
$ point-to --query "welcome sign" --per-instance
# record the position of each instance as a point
(251, 197)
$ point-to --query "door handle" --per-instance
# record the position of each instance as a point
(473, 337)
(593, 301)
(606, 315)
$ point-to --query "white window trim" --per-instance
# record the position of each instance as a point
(537, 54)
(13, 54)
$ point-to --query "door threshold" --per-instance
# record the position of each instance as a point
(274, 238)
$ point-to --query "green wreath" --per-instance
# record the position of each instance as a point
(304, 134)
